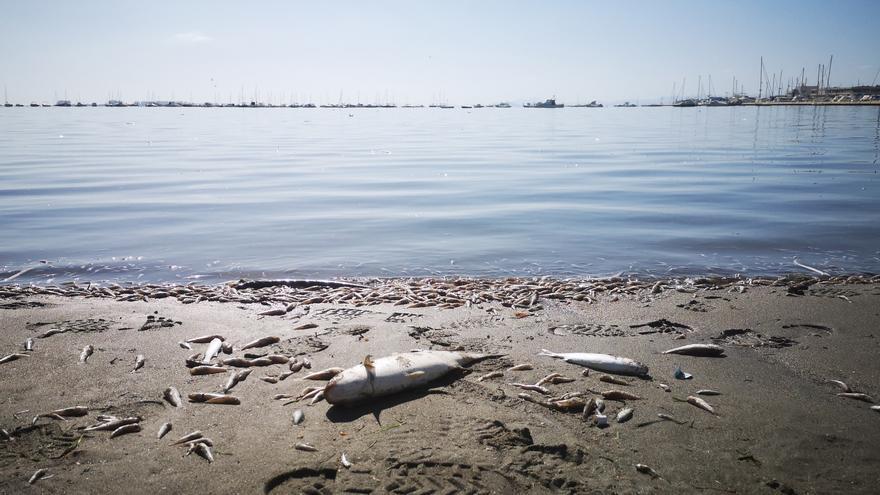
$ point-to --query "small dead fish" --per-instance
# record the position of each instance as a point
(589, 408)
(38, 475)
(521, 367)
(318, 397)
(305, 447)
(574, 403)
(113, 424)
(138, 362)
(326, 374)
(204, 339)
(188, 437)
(269, 379)
(235, 379)
(706, 391)
(237, 362)
(207, 370)
(284, 375)
(261, 342)
(295, 365)
(163, 430)
(345, 462)
(533, 388)
(29, 344)
(203, 451)
(307, 363)
(842, 385)
(184, 345)
(547, 379)
(667, 417)
(857, 396)
(67, 412)
(50, 333)
(226, 348)
(306, 326)
(282, 396)
(704, 350)
(278, 359)
(613, 379)
(204, 440)
(272, 312)
(698, 402)
(214, 398)
(665, 387)
(213, 350)
(619, 395)
(493, 374)
(556, 380)
(647, 470)
(298, 416)
(12, 357)
(172, 396)
(86, 352)
(122, 430)
(625, 415)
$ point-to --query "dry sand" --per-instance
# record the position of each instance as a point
(780, 426)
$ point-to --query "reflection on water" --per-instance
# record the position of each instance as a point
(213, 194)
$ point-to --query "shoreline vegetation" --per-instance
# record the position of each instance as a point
(745, 385)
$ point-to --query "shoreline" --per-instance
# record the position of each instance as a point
(780, 425)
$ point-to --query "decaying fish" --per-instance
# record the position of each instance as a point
(613, 379)
(298, 416)
(172, 396)
(234, 379)
(189, 436)
(295, 365)
(647, 470)
(138, 363)
(521, 367)
(86, 352)
(533, 388)
(12, 357)
(600, 362)
(207, 370)
(589, 408)
(50, 333)
(318, 397)
(226, 348)
(706, 391)
(345, 462)
(556, 380)
(39, 475)
(857, 396)
(278, 359)
(703, 350)
(62, 414)
(203, 451)
(204, 339)
(547, 378)
(395, 373)
(261, 342)
(269, 379)
(213, 350)
(184, 345)
(665, 387)
(841, 384)
(305, 447)
(625, 415)
(493, 374)
(619, 395)
(237, 362)
(272, 312)
(284, 375)
(698, 402)
(113, 424)
(213, 398)
(324, 374)
(163, 430)
(122, 430)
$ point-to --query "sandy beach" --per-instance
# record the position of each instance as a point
(780, 425)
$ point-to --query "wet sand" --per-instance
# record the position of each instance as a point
(780, 426)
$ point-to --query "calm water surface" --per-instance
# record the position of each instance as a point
(180, 194)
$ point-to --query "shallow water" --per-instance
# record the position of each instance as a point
(178, 194)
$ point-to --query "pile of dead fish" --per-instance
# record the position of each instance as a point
(525, 293)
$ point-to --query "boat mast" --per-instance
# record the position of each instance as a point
(761, 79)
(828, 84)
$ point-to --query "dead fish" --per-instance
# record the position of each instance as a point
(667, 417)
(556, 380)
(237, 362)
(272, 312)
(600, 362)
(493, 374)
(213, 398)
(305, 447)
(857, 396)
(533, 388)
(307, 363)
(842, 385)
(122, 430)
(184, 345)
(188, 437)
(619, 395)
(29, 344)
(521, 367)
(213, 350)
(282, 396)
(875, 408)
(204, 339)
(207, 370)
(204, 440)
(138, 362)
(263, 361)
(163, 430)
(298, 416)
(113, 424)
(226, 348)
(600, 405)
(647, 470)
(547, 378)
(665, 387)
(203, 451)
(67, 412)
(86, 352)
(345, 462)
(261, 342)
(306, 326)
(269, 379)
(318, 397)
(589, 408)
(613, 379)
(323, 374)
(285, 375)
(625, 415)
(50, 333)
(40, 474)
(278, 359)
(295, 365)
(703, 350)
(395, 373)
(235, 379)
(571, 404)
(12, 357)
(172, 396)
(706, 391)
(698, 402)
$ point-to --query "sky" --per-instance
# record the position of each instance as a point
(456, 52)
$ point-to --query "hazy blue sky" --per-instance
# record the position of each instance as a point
(468, 51)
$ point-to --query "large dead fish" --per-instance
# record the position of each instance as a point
(213, 350)
(395, 373)
(600, 362)
(704, 350)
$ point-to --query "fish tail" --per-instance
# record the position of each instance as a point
(471, 358)
(545, 352)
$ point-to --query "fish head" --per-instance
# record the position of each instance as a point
(347, 386)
